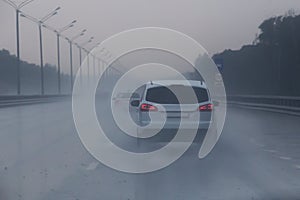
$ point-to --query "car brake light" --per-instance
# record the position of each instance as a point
(147, 107)
(207, 107)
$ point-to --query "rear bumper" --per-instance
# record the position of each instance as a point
(175, 125)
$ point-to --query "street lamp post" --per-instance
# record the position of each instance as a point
(94, 61)
(80, 47)
(276, 42)
(18, 8)
(80, 62)
(18, 52)
(41, 22)
(98, 66)
(58, 33)
(94, 68)
(71, 65)
(88, 65)
(41, 59)
(58, 64)
(71, 54)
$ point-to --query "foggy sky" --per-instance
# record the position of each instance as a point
(216, 24)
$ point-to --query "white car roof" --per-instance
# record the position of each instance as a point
(177, 82)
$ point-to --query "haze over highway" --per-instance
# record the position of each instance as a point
(67, 65)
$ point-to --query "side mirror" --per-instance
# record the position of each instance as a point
(135, 96)
(216, 103)
(135, 103)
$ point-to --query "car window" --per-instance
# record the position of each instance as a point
(139, 91)
(164, 95)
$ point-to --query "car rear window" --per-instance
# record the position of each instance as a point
(164, 95)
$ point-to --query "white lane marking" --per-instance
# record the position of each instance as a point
(92, 166)
(270, 150)
(256, 143)
(260, 145)
(297, 167)
(285, 158)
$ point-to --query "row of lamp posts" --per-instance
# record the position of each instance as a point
(41, 24)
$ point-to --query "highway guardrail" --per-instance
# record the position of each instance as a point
(7, 101)
(281, 104)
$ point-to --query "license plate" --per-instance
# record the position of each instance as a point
(178, 115)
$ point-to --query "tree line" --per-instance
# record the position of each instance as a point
(269, 66)
(30, 76)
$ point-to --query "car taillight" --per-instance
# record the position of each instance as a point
(147, 107)
(207, 107)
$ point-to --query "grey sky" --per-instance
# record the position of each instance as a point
(216, 24)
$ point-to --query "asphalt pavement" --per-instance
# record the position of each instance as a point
(42, 158)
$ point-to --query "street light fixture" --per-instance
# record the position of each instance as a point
(48, 16)
(85, 43)
(70, 25)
